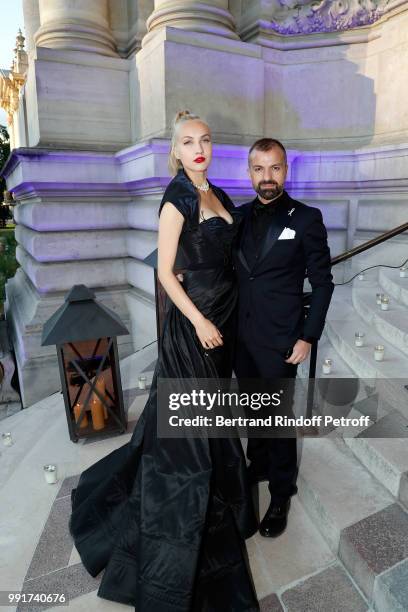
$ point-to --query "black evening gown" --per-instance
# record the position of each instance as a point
(167, 518)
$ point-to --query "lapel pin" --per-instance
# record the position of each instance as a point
(290, 212)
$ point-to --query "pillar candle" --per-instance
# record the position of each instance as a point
(327, 363)
(50, 473)
(98, 418)
(100, 385)
(77, 412)
(379, 352)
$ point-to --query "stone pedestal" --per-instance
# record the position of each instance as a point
(85, 104)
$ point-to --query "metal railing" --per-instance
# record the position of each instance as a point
(306, 297)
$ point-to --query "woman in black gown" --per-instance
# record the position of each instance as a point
(167, 518)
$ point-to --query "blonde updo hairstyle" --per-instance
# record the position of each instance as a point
(181, 117)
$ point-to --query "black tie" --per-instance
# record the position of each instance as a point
(261, 209)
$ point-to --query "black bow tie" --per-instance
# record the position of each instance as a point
(261, 209)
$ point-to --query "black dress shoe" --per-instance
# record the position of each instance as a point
(275, 520)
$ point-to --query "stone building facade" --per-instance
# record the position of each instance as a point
(90, 101)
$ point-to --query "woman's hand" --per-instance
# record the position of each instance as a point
(208, 334)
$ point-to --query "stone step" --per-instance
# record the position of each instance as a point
(392, 284)
(375, 552)
(391, 589)
(325, 351)
(390, 375)
(386, 459)
(392, 324)
(278, 563)
(331, 589)
(336, 489)
(358, 518)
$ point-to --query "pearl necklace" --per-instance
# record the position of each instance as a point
(204, 186)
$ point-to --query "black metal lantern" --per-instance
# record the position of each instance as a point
(84, 332)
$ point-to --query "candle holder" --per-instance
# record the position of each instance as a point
(379, 352)
(327, 365)
(403, 272)
(7, 439)
(50, 473)
(359, 338)
(385, 303)
(85, 333)
(379, 297)
(142, 382)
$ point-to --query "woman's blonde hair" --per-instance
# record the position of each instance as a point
(181, 117)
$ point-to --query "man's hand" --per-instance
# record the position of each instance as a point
(300, 352)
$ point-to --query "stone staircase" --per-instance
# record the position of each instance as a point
(346, 545)
(354, 484)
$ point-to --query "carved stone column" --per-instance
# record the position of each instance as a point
(210, 17)
(75, 25)
(31, 13)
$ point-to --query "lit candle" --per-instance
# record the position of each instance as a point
(385, 303)
(379, 352)
(100, 385)
(361, 276)
(98, 417)
(359, 339)
(327, 364)
(403, 272)
(142, 382)
(379, 297)
(7, 439)
(77, 412)
(50, 473)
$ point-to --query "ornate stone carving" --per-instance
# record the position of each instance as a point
(310, 16)
(11, 81)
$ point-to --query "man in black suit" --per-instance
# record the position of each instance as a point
(281, 241)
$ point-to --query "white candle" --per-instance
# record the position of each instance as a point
(385, 303)
(50, 473)
(7, 439)
(379, 297)
(327, 364)
(379, 352)
(403, 272)
(142, 382)
(359, 339)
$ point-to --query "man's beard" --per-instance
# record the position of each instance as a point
(271, 192)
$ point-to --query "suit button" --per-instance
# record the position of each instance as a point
(256, 256)
(251, 278)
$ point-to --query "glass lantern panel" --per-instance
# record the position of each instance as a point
(87, 362)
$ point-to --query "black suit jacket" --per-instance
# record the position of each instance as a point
(270, 312)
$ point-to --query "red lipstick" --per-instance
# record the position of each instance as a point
(199, 160)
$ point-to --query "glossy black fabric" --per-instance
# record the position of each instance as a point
(167, 519)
